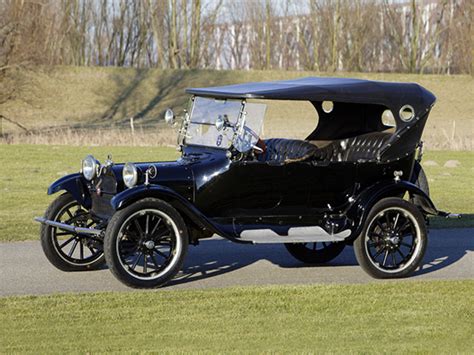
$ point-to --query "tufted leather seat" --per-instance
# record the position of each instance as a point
(360, 148)
(287, 150)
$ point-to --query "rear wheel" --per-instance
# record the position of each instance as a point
(315, 253)
(70, 251)
(394, 239)
(146, 243)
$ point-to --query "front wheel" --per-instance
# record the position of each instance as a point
(146, 243)
(70, 251)
(393, 241)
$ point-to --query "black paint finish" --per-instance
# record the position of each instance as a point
(225, 195)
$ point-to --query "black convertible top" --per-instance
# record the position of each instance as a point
(358, 107)
(390, 94)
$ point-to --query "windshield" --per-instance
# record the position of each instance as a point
(239, 118)
(201, 129)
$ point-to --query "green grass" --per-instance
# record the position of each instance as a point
(452, 189)
(72, 95)
(27, 171)
(396, 317)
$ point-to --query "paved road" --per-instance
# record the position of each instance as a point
(218, 263)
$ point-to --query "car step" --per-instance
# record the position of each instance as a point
(295, 235)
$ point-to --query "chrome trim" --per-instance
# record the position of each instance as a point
(109, 161)
(134, 173)
(295, 235)
(68, 227)
(96, 167)
(410, 108)
(453, 216)
(152, 171)
(397, 174)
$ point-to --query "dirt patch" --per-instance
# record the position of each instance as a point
(430, 163)
(452, 164)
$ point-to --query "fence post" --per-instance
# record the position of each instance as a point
(132, 129)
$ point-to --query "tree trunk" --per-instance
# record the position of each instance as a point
(335, 37)
(195, 33)
(173, 37)
(268, 29)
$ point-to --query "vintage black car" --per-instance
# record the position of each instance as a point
(355, 180)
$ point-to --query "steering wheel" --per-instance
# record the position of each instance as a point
(260, 147)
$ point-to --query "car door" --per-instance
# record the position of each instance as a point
(256, 188)
(242, 188)
(311, 186)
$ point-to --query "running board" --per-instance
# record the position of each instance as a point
(295, 235)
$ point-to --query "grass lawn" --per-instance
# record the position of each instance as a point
(395, 317)
(27, 171)
(451, 189)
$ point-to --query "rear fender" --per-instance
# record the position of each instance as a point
(75, 185)
(360, 209)
(129, 196)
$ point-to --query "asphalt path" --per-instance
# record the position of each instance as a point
(216, 262)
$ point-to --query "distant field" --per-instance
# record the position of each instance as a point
(395, 317)
(27, 171)
(71, 96)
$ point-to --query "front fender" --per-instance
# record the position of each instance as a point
(129, 196)
(75, 185)
(360, 209)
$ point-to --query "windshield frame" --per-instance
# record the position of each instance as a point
(239, 124)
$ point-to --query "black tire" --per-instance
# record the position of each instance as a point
(392, 225)
(419, 179)
(315, 253)
(60, 247)
(126, 243)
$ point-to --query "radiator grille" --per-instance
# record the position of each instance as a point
(107, 185)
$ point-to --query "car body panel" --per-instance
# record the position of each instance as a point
(76, 185)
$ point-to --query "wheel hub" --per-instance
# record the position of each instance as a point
(149, 244)
(394, 240)
(391, 239)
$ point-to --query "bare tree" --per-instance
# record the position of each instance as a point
(327, 35)
(195, 34)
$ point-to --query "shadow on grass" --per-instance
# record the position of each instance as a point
(164, 87)
(140, 93)
(147, 93)
(123, 92)
(137, 100)
(218, 256)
